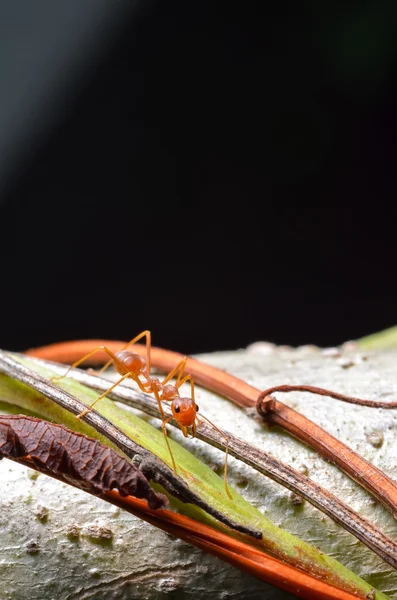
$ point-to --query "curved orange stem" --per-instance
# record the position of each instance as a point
(363, 472)
(246, 557)
(239, 554)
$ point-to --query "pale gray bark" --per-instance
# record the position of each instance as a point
(79, 547)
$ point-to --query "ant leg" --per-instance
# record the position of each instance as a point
(179, 367)
(164, 428)
(182, 381)
(133, 341)
(226, 453)
(89, 408)
(164, 421)
(85, 357)
(179, 383)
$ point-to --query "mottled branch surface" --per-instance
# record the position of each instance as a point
(74, 546)
(265, 463)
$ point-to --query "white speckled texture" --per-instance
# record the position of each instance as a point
(89, 549)
(39, 560)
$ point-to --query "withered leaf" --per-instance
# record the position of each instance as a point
(80, 460)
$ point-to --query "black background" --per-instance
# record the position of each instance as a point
(220, 176)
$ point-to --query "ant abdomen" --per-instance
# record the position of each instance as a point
(129, 362)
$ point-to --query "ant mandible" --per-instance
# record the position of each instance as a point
(131, 365)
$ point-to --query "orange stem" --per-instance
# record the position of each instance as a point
(239, 554)
(242, 555)
(363, 472)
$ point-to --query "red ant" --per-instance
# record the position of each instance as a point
(133, 366)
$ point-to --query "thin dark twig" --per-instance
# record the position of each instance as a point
(259, 460)
(151, 466)
(311, 389)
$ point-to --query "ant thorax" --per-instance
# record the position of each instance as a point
(169, 392)
(151, 384)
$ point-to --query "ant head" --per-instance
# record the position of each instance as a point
(129, 362)
(184, 411)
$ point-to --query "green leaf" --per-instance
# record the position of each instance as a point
(382, 340)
